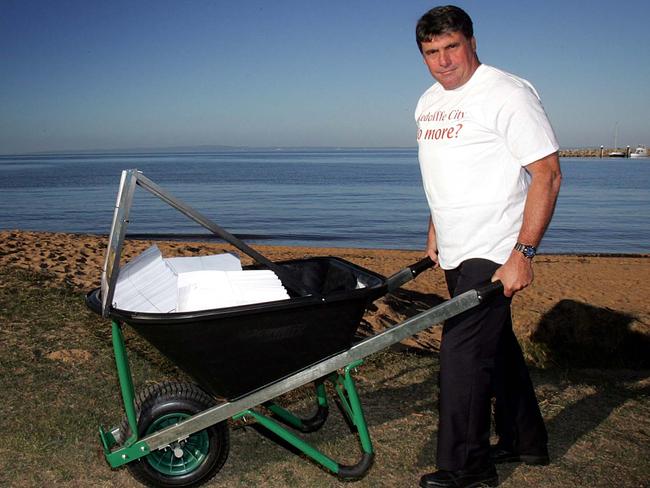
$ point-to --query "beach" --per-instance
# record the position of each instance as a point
(585, 308)
(583, 325)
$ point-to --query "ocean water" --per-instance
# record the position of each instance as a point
(369, 198)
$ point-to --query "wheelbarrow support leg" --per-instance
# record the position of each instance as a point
(131, 448)
(352, 408)
(304, 425)
(349, 397)
(347, 390)
(126, 387)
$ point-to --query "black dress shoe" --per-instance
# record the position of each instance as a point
(500, 455)
(461, 478)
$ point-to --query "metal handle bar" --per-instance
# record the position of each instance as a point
(488, 291)
(407, 274)
(368, 346)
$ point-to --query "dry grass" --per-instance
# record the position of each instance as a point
(58, 382)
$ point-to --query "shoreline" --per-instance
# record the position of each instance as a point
(597, 302)
(209, 239)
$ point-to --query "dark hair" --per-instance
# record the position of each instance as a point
(443, 20)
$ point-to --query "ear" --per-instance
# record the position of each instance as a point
(473, 42)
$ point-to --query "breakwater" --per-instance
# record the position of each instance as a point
(583, 152)
(592, 152)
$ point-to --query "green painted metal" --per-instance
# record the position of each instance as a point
(354, 406)
(321, 394)
(292, 439)
(108, 441)
(132, 448)
(284, 414)
(193, 450)
(126, 381)
(197, 445)
(127, 454)
(346, 388)
(339, 385)
(288, 417)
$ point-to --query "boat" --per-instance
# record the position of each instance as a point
(641, 151)
(616, 153)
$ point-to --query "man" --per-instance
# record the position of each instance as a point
(491, 174)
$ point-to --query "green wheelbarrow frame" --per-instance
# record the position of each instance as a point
(135, 447)
(336, 369)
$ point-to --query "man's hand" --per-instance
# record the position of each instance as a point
(432, 246)
(515, 274)
(432, 252)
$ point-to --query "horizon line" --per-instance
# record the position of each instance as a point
(192, 148)
(221, 147)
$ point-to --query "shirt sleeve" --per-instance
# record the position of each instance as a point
(522, 122)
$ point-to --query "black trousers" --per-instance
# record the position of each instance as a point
(480, 358)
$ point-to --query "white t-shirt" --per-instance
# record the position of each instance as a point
(474, 143)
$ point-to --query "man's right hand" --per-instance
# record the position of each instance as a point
(515, 274)
(432, 245)
(433, 254)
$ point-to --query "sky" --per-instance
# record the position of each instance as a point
(95, 74)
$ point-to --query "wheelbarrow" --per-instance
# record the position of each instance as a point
(242, 358)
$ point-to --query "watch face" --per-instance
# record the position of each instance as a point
(529, 251)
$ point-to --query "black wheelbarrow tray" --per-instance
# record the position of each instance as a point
(242, 358)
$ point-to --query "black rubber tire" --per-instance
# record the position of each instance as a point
(168, 398)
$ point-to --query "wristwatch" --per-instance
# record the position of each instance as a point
(526, 250)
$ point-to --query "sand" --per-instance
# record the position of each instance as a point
(599, 301)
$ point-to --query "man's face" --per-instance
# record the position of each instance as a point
(451, 59)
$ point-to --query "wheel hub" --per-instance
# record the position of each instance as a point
(181, 457)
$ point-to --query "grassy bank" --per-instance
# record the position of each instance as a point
(58, 383)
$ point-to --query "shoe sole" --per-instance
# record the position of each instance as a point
(489, 482)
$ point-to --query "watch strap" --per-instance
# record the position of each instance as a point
(526, 249)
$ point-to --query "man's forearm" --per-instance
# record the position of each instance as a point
(540, 202)
(517, 272)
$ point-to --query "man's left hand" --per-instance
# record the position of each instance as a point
(515, 274)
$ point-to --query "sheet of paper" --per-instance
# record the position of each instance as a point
(206, 290)
(220, 262)
(151, 283)
(146, 284)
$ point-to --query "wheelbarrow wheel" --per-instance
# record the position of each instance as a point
(190, 462)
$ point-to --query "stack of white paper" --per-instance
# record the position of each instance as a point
(218, 262)
(146, 284)
(204, 290)
(150, 283)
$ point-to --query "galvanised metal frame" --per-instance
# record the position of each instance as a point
(134, 448)
(219, 413)
(129, 179)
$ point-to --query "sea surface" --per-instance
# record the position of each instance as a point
(370, 198)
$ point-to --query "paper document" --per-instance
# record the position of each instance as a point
(151, 283)
(220, 262)
(146, 284)
(205, 290)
